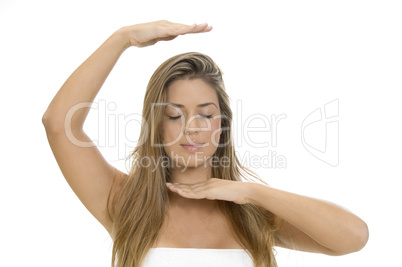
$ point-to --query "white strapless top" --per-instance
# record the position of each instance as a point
(197, 257)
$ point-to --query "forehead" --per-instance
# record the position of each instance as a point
(190, 93)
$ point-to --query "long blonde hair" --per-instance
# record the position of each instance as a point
(139, 209)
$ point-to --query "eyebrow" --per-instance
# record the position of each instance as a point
(199, 105)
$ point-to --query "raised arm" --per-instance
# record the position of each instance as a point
(90, 176)
(85, 82)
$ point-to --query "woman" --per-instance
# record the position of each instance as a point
(193, 195)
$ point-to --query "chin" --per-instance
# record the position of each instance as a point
(189, 160)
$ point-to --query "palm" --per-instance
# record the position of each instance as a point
(213, 189)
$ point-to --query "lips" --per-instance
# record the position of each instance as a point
(191, 148)
(194, 144)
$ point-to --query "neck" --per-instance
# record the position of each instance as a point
(191, 175)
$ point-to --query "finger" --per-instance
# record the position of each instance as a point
(194, 191)
(177, 186)
(175, 29)
(184, 192)
(203, 27)
(195, 28)
(185, 188)
(189, 193)
(174, 188)
(190, 186)
(199, 188)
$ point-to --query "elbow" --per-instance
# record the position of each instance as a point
(61, 123)
(357, 240)
(362, 236)
(50, 124)
(44, 120)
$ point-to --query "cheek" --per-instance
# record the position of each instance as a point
(216, 131)
(171, 131)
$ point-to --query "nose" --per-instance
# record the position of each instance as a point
(193, 125)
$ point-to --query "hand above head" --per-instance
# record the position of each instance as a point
(147, 34)
(213, 189)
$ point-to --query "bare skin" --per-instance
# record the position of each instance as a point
(90, 176)
(191, 122)
(196, 224)
(332, 230)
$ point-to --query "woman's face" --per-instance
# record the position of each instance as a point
(191, 123)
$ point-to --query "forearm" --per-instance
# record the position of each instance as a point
(84, 84)
(326, 223)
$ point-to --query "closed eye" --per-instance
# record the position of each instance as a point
(175, 118)
(207, 116)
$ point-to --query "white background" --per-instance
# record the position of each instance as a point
(282, 57)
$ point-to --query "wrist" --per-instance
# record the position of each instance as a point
(250, 189)
(255, 191)
(122, 36)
